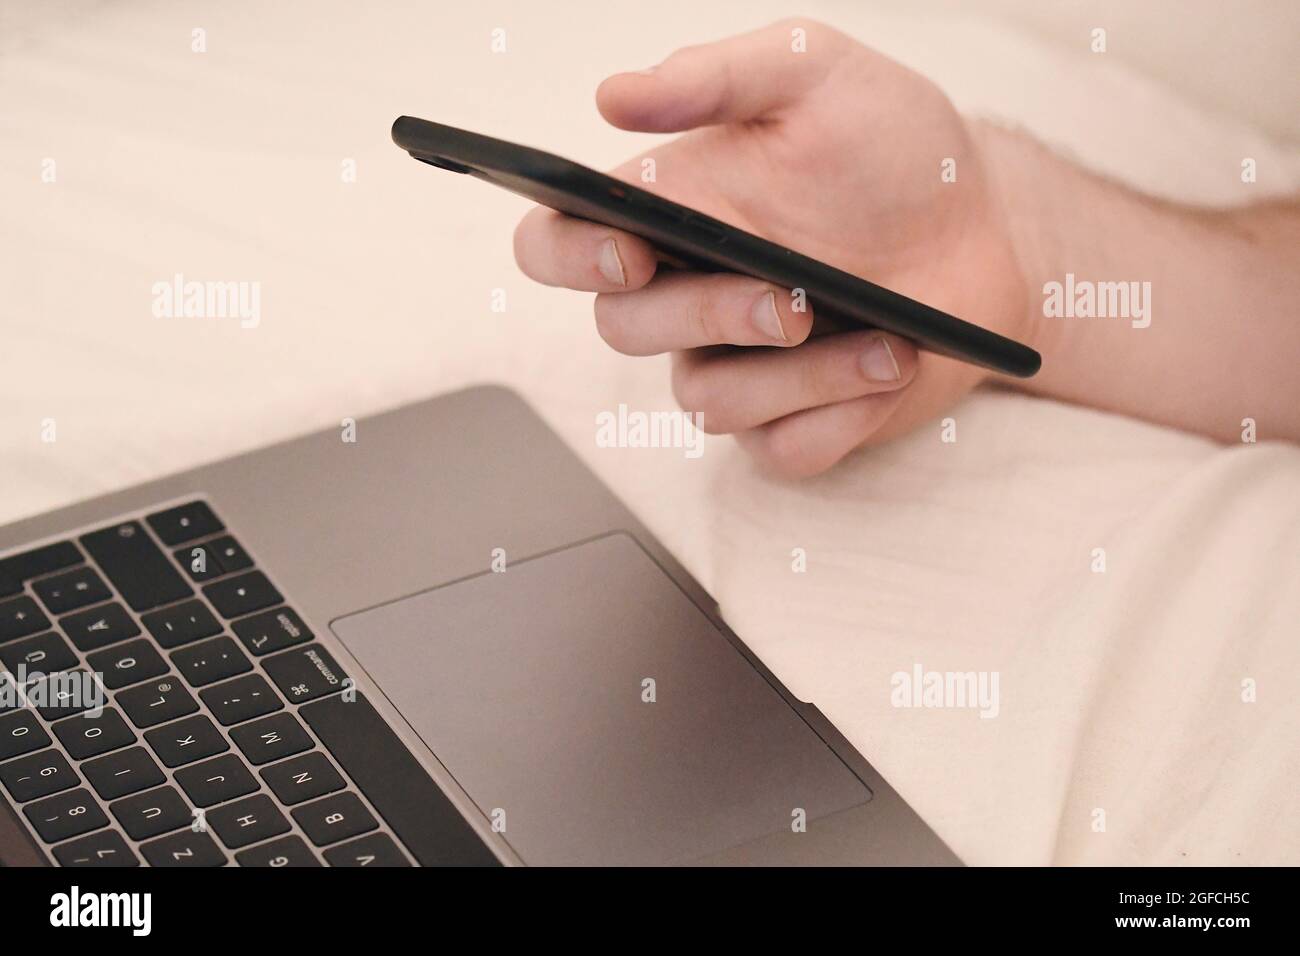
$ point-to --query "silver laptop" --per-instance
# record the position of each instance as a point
(432, 638)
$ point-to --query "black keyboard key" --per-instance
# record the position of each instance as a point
(127, 663)
(21, 733)
(181, 623)
(85, 736)
(37, 775)
(287, 851)
(305, 673)
(185, 523)
(99, 626)
(241, 699)
(91, 734)
(186, 741)
(206, 560)
(61, 695)
(216, 781)
(211, 661)
(148, 814)
(71, 590)
(272, 631)
(18, 568)
(21, 616)
(229, 554)
(65, 815)
(156, 702)
(142, 574)
(105, 848)
(198, 562)
(392, 779)
(247, 821)
(123, 773)
(45, 653)
(237, 596)
(334, 818)
(271, 738)
(302, 778)
(11, 697)
(377, 850)
(186, 848)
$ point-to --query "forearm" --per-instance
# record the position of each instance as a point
(1208, 330)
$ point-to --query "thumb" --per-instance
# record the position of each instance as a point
(751, 76)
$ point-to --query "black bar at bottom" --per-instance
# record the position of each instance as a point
(393, 780)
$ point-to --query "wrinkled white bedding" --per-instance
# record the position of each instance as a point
(1118, 691)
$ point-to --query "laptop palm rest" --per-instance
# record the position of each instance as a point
(589, 707)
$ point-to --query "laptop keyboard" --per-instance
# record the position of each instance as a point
(226, 732)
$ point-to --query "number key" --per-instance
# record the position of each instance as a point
(106, 848)
(66, 815)
(37, 775)
(21, 733)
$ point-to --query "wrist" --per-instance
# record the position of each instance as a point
(1030, 216)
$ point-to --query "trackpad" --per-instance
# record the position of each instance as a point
(588, 705)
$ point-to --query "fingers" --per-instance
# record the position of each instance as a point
(745, 77)
(689, 310)
(738, 391)
(811, 441)
(559, 250)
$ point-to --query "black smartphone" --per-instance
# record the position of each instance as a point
(693, 240)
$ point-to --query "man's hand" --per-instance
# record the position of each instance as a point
(835, 152)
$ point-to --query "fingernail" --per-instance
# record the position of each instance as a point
(611, 264)
(766, 318)
(878, 362)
